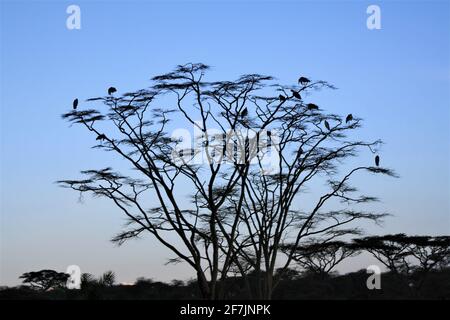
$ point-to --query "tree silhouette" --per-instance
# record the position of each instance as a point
(88, 280)
(320, 257)
(392, 251)
(410, 257)
(107, 279)
(44, 280)
(431, 252)
(266, 148)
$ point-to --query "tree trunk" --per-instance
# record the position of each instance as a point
(203, 286)
(268, 286)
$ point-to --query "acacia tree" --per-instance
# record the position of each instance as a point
(431, 253)
(320, 257)
(409, 257)
(45, 280)
(258, 146)
(392, 250)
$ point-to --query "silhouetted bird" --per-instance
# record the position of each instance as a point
(327, 125)
(296, 94)
(282, 98)
(269, 139)
(101, 137)
(244, 112)
(349, 118)
(303, 81)
(312, 106)
(111, 90)
(377, 161)
(75, 104)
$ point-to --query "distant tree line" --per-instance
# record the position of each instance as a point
(402, 255)
(410, 259)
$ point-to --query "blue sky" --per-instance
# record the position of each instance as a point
(396, 78)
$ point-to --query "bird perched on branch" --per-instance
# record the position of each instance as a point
(377, 161)
(327, 125)
(312, 106)
(282, 98)
(349, 118)
(244, 113)
(296, 94)
(101, 137)
(75, 104)
(111, 90)
(303, 81)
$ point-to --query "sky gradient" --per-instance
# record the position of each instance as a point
(396, 78)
